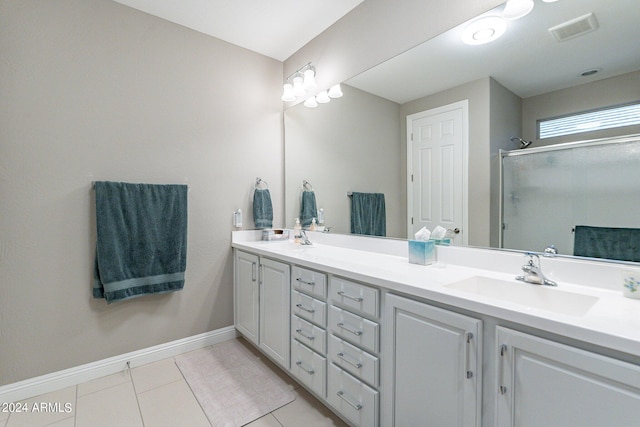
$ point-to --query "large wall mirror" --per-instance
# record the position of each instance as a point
(358, 143)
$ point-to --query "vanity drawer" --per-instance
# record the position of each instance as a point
(355, 296)
(309, 308)
(309, 367)
(354, 328)
(309, 281)
(358, 362)
(309, 334)
(352, 398)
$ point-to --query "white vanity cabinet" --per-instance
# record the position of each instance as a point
(308, 328)
(542, 383)
(432, 366)
(354, 351)
(261, 298)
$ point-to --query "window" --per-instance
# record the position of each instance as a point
(603, 118)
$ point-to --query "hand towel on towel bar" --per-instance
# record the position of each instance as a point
(308, 208)
(262, 208)
(141, 243)
(368, 214)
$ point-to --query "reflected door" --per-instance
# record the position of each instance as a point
(437, 141)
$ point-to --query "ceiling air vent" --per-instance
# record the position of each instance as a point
(575, 27)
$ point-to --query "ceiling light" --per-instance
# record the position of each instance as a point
(483, 30)
(311, 102)
(335, 91)
(516, 9)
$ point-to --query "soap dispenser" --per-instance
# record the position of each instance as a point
(297, 228)
(313, 225)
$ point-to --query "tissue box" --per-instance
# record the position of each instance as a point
(275, 235)
(421, 252)
(441, 242)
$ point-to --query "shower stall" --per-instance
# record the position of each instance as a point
(547, 192)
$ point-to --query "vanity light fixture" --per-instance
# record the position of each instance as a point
(335, 91)
(323, 97)
(311, 102)
(299, 83)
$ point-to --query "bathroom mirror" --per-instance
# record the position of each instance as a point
(358, 142)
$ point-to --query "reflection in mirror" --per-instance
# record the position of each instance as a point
(511, 83)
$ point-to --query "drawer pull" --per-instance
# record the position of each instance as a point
(356, 406)
(356, 333)
(502, 389)
(303, 308)
(308, 371)
(356, 299)
(357, 365)
(305, 282)
(309, 337)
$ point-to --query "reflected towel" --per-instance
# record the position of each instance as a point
(262, 208)
(607, 242)
(141, 245)
(308, 208)
(368, 214)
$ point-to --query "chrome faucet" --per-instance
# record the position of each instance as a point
(304, 240)
(533, 271)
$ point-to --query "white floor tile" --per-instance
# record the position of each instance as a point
(45, 409)
(267, 421)
(103, 383)
(171, 405)
(155, 374)
(306, 411)
(114, 406)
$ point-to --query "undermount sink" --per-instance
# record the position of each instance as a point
(526, 294)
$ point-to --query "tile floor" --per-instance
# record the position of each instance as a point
(153, 395)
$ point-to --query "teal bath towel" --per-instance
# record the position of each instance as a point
(262, 208)
(621, 244)
(368, 215)
(308, 208)
(141, 245)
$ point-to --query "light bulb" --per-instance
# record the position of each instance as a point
(323, 97)
(310, 80)
(287, 93)
(335, 91)
(298, 90)
(311, 102)
(516, 9)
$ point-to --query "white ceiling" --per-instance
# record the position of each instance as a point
(275, 28)
(526, 59)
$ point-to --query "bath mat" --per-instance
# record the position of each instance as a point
(233, 385)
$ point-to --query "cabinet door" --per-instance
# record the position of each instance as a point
(246, 291)
(544, 383)
(274, 310)
(432, 366)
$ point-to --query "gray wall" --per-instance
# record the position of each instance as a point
(93, 90)
(612, 91)
(350, 144)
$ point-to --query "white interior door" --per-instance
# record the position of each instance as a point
(437, 143)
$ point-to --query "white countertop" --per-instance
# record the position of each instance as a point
(612, 322)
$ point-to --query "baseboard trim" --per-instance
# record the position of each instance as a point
(79, 374)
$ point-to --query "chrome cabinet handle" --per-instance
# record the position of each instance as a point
(309, 337)
(303, 308)
(253, 271)
(467, 361)
(356, 299)
(356, 406)
(354, 332)
(357, 365)
(308, 371)
(502, 389)
(304, 282)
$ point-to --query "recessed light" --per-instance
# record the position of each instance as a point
(484, 30)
